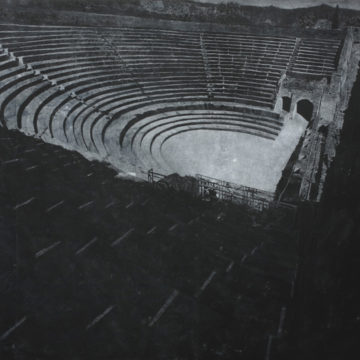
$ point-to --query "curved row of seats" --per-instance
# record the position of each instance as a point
(146, 51)
(229, 62)
(94, 88)
(147, 134)
(317, 58)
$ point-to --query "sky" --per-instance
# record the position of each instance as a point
(289, 4)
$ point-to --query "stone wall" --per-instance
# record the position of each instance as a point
(330, 99)
(345, 79)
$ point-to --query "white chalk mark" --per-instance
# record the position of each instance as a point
(127, 234)
(24, 203)
(83, 206)
(281, 321)
(230, 266)
(173, 227)
(44, 251)
(31, 167)
(129, 205)
(193, 221)
(86, 246)
(206, 283)
(11, 161)
(254, 250)
(99, 317)
(244, 258)
(268, 347)
(55, 206)
(29, 150)
(8, 332)
(90, 174)
(167, 303)
(152, 230)
(110, 204)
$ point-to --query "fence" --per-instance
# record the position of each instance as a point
(240, 194)
(210, 189)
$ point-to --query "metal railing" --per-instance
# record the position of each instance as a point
(240, 194)
(215, 189)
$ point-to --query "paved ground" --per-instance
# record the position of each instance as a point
(240, 158)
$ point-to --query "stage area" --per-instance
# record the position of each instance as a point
(236, 157)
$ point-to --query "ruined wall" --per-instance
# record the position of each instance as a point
(342, 84)
(299, 89)
(302, 88)
(330, 99)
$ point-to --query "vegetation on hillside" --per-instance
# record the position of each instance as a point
(228, 13)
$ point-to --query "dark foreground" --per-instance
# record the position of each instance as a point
(93, 267)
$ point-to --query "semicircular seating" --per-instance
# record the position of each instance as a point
(147, 135)
(117, 92)
(316, 57)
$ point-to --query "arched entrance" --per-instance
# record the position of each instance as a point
(305, 109)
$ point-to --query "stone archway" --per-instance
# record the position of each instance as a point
(305, 108)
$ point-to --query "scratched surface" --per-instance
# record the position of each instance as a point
(93, 267)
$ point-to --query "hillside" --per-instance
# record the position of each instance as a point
(319, 16)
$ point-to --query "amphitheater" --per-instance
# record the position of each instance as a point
(96, 263)
(227, 105)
